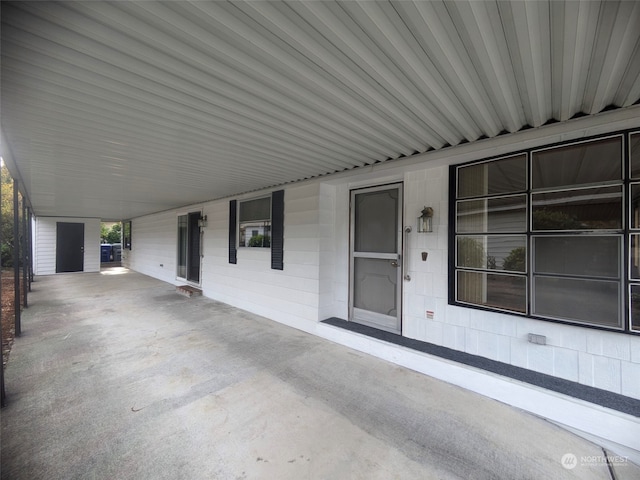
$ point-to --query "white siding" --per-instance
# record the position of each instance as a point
(289, 296)
(333, 257)
(314, 284)
(154, 246)
(44, 246)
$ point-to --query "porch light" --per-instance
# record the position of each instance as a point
(202, 222)
(425, 220)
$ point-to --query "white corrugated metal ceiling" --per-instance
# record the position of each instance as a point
(117, 109)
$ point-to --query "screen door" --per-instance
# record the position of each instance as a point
(376, 261)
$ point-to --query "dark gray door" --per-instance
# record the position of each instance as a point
(69, 247)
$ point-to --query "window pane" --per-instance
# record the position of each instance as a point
(498, 176)
(584, 163)
(126, 235)
(634, 141)
(589, 256)
(255, 234)
(376, 221)
(635, 205)
(492, 290)
(492, 252)
(258, 209)
(635, 257)
(589, 301)
(635, 307)
(584, 209)
(492, 215)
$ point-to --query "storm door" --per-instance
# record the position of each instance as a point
(376, 257)
(189, 247)
(69, 247)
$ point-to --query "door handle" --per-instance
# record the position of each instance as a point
(394, 264)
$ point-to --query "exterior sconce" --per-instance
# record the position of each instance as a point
(202, 223)
(425, 221)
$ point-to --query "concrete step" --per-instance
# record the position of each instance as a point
(188, 291)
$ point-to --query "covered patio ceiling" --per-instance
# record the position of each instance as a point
(119, 109)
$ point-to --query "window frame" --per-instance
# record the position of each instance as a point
(126, 239)
(630, 230)
(240, 223)
(625, 283)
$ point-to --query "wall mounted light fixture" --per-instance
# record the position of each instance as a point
(425, 220)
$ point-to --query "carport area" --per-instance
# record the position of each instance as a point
(117, 376)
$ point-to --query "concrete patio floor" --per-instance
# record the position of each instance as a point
(118, 377)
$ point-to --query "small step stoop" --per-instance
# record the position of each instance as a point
(188, 291)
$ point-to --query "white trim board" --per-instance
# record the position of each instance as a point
(614, 430)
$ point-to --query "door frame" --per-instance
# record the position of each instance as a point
(366, 317)
(185, 279)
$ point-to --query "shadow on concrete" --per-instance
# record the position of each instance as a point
(118, 376)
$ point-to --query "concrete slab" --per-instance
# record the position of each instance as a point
(118, 376)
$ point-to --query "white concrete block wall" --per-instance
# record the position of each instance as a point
(630, 379)
(44, 248)
(606, 360)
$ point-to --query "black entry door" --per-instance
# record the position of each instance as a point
(193, 255)
(69, 247)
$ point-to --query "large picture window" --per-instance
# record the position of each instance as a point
(543, 233)
(634, 231)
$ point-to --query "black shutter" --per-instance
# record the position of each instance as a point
(233, 250)
(277, 230)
